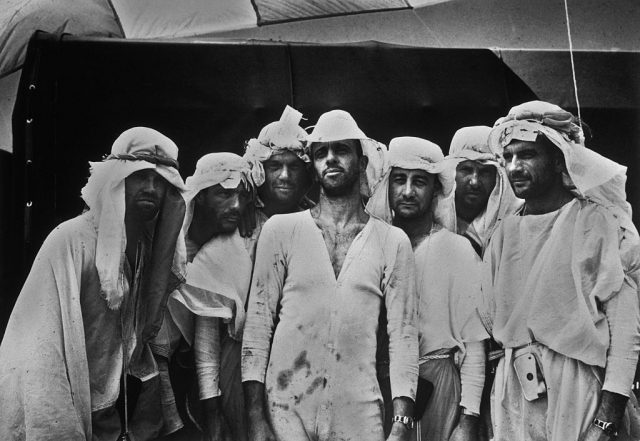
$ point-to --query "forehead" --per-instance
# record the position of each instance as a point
(283, 157)
(476, 165)
(144, 173)
(342, 143)
(518, 146)
(411, 173)
(218, 189)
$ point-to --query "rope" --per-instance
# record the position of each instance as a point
(573, 67)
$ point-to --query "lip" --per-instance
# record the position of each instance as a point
(332, 171)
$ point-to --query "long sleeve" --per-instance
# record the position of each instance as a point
(472, 374)
(266, 290)
(401, 302)
(623, 316)
(207, 356)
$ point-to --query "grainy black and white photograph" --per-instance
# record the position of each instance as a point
(307, 220)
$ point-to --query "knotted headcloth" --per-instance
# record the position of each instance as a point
(417, 154)
(338, 125)
(136, 149)
(226, 169)
(589, 174)
(274, 138)
(472, 144)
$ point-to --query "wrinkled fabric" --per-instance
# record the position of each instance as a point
(318, 365)
(441, 415)
(418, 154)
(573, 391)
(589, 175)
(63, 347)
(448, 285)
(547, 275)
(62, 355)
(104, 195)
(276, 137)
(471, 144)
(338, 125)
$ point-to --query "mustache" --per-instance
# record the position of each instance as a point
(517, 175)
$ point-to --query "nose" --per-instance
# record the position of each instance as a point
(284, 173)
(473, 179)
(407, 189)
(234, 204)
(151, 183)
(331, 157)
(513, 164)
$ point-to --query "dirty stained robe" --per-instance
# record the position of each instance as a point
(319, 372)
(61, 357)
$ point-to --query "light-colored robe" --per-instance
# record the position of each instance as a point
(318, 365)
(448, 286)
(567, 280)
(61, 356)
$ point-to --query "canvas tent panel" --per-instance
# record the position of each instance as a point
(170, 19)
(270, 11)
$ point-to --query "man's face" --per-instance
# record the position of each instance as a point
(531, 168)
(337, 165)
(411, 192)
(144, 192)
(223, 206)
(286, 179)
(474, 183)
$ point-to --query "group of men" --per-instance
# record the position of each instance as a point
(510, 266)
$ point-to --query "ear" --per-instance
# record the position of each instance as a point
(364, 161)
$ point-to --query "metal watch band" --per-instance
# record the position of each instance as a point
(406, 420)
(608, 428)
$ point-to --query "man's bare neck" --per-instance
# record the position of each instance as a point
(339, 211)
(550, 202)
(417, 229)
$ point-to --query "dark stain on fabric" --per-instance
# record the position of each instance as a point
(301, 361)
(281, 406)
(315, 384)
(337, 356)
(284, 378)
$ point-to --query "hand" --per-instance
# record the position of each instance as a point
(594, 433)
(466, 430)
(247, 222)
(399, 432)
(260, 429)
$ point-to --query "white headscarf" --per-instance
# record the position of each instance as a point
(211, 289)
(135, 149)
(590, 175)
(472, 144)
(417, 154)
(224, 168)
(338, 125)
(274, 138)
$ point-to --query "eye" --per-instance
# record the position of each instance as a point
(507, 157)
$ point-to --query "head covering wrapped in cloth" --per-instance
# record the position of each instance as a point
(472, 144)
(338, 125)
(589, 175)
(136, 149)
(218, 277)
(417, 154)
(274, 138)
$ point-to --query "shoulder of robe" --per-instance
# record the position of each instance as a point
(454, 244)
(280, 223)
(79, 230)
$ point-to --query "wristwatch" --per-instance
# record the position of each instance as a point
(609, 429)
(406, 420)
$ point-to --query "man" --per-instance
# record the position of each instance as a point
(416, 194)
(280, 167)
(561, 280)
(75, 357)
(483, 193)
(323, 275)
(208, 309)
